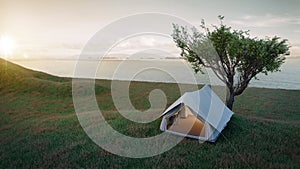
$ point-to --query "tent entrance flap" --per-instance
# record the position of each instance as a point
(188, 125)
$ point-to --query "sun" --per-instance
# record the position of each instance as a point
(7, 45)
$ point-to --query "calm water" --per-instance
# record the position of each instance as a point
(159, 71)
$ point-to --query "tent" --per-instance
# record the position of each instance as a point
(200, 115)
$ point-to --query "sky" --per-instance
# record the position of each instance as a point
(60, 29)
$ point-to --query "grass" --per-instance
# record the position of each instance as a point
(39, 127)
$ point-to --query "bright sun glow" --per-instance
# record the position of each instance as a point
(7, 45)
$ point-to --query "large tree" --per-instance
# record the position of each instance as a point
(233, 55)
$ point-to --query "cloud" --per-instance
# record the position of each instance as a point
(297, 31)
(266, 20)
(144, 42)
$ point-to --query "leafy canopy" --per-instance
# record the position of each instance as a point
(233, 55)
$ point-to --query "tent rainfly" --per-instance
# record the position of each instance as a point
(200, 115)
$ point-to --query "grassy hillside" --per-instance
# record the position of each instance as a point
(39, 127)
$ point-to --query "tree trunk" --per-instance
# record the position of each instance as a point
(230, 100)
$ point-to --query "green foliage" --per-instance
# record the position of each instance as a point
(233, 55)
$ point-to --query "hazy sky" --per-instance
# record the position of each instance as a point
(61, 28)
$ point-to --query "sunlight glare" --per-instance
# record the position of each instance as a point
(7, 45)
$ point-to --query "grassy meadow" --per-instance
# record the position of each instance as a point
(39, 127)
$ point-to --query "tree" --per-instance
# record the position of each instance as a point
(233, 55)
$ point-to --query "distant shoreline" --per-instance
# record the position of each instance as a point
(109, 59)
(286, 79)
(75, 59)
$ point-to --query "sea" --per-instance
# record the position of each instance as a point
(157, 70)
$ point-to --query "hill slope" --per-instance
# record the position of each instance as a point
(14, 78)
(39, 127)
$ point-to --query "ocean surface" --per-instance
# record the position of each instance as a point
(159, 70)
